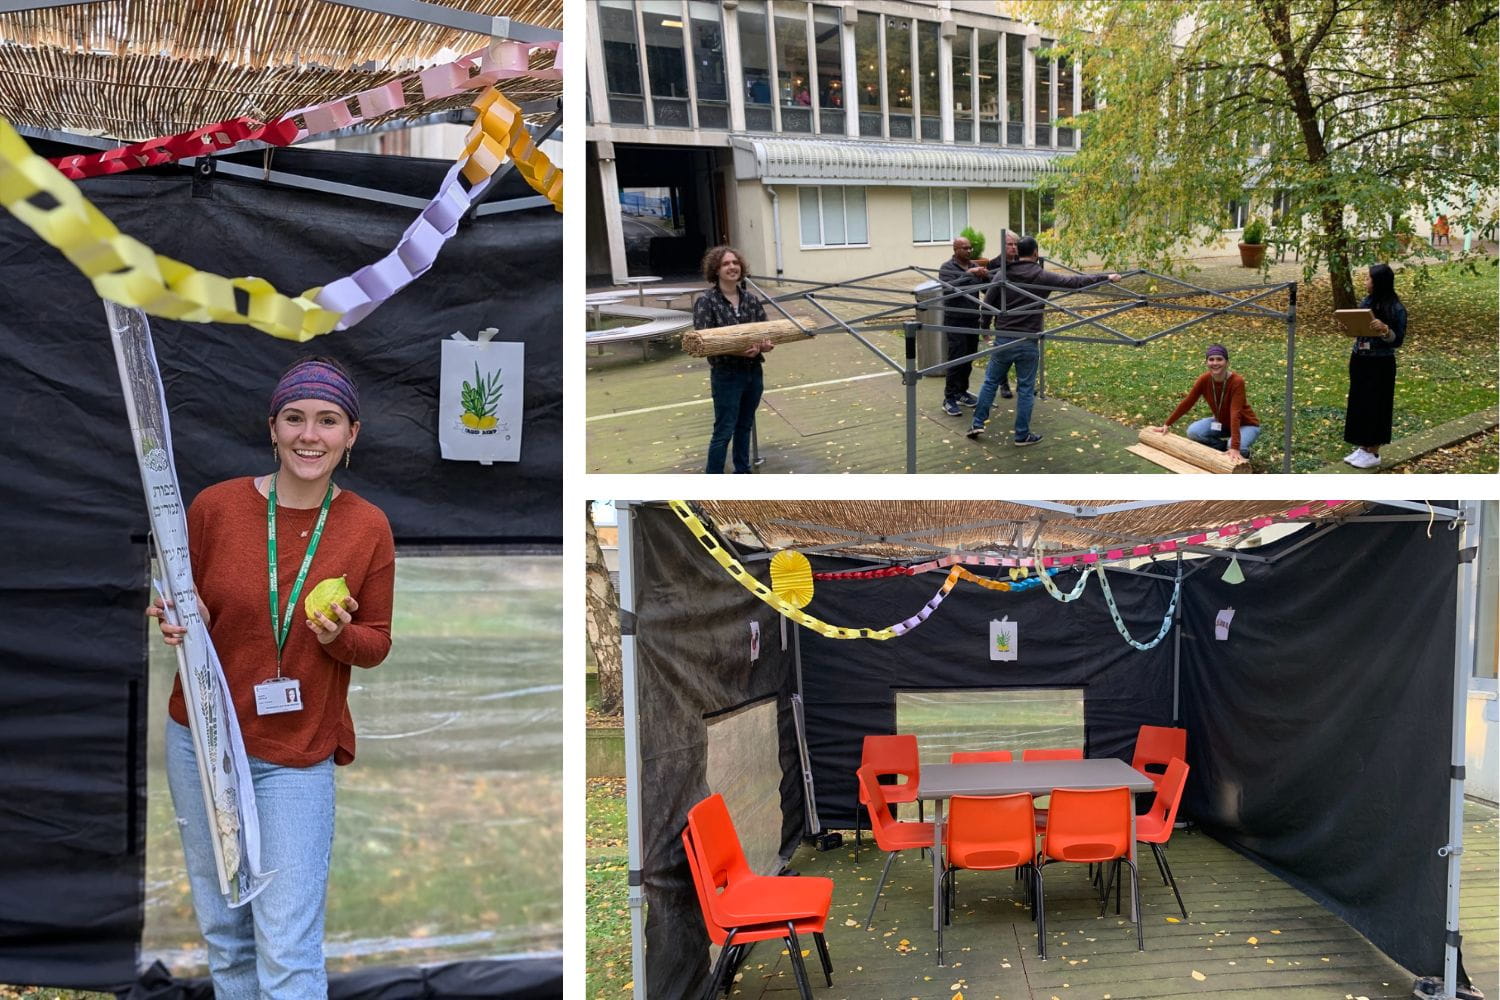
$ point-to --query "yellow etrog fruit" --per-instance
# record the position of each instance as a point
(325, 595)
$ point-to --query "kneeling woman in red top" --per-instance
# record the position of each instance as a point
(1233, 426)
(259, 543)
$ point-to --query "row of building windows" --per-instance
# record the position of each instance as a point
(836, 217)
(789, 69)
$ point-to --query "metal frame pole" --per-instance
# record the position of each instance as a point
(1177, 649)
(1291, 355)
(1463, 668)
(636, 897)
(909, 376)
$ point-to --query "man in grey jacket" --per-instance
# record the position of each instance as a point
(1022, 315)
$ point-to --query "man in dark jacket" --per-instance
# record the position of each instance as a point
(960, 271)
(1022, 314)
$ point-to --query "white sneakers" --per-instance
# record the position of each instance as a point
(1361, 459)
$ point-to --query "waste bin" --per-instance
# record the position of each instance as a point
(932, 345)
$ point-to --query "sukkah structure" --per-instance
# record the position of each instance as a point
(1087, 315)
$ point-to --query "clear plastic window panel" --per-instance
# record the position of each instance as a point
(448, 838)
(1013, 719)
(744, 766)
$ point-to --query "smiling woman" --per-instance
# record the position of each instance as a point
(289, 685)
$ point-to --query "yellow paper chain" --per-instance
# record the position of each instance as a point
(750, 583)
(126, 271)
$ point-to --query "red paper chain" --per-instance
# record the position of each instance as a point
(171, 148)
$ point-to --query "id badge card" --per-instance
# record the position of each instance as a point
(1217, 427)
(280, 694)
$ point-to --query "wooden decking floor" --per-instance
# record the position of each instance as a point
(1249, 935)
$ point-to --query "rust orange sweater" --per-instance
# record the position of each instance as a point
(227, 539)
(1231, 410)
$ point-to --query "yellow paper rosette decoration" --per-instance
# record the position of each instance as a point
(791, 578)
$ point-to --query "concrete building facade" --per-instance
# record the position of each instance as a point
(825, 140)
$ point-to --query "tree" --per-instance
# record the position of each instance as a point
(602, 622)
(1354, 113)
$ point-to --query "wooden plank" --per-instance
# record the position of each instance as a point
(1192, 452)
(1166, 461)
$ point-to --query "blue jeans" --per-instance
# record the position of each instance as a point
(1199, 431)
(1023, 356)
(736, 394)
(271, 947)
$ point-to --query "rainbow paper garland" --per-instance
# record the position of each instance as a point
(500, 61)
(126, 271)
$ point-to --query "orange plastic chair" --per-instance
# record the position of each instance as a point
(981, 757)
(988, 833)
(891, 836)
(1155, 747)
(1155, 827)
(1067, 753)
(890, 755)
(1088, 826)
(740, 907)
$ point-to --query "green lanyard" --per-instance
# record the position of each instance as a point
(285, 628)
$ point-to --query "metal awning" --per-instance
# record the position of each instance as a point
(844, 161)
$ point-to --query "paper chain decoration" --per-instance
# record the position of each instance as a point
(126, 271)
(1114, 611)
(501, 61)
(738, 572)
(499, 131)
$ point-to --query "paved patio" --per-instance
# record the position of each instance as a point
(1249, 936)
(832, 405)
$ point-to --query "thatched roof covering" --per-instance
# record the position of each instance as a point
(905, 530)
(136, 69)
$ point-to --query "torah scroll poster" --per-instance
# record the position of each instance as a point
(223, 768)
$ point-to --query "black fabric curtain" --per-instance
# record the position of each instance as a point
(692, 627)
(1319, 733)
(851, 685)
(74, 581)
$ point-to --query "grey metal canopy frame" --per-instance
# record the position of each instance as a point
(1402, 510)
(1087, 314)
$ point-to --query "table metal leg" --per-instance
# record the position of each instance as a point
(1134, 871)
(937, 864)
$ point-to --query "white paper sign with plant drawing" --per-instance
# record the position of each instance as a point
(1003, 639)
(223, 767)
(480, 399)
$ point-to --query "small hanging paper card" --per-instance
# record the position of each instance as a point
(754, 641)
(1003, 639)
(480, 399)
(1221, 624)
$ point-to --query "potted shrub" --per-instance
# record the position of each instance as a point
(976, 240)
(1253, 243)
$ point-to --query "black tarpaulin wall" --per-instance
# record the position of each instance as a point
(1319, 735)
(850, 685)
(73, 656)
(693, 659)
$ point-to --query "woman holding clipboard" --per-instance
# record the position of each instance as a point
(1372, 371)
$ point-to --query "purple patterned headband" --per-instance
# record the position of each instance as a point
(316, 380)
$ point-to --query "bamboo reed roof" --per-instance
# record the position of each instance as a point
(868, 528)
(136, 69)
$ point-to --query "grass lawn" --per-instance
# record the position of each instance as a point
(605, 884)
(1445, 370)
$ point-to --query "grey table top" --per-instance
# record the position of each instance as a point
(942, 781)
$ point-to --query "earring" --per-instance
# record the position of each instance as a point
(275, 452)
(347, 453)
